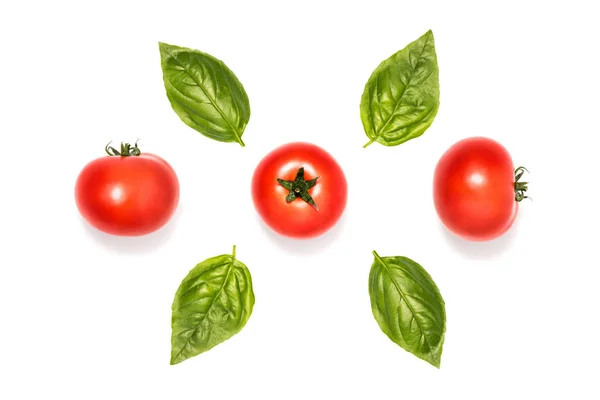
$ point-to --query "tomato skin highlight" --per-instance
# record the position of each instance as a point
(298, 219)
(474, 189)
(129, 195)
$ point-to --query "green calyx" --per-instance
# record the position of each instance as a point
(299, 188)
(127, 150)
(520, 187)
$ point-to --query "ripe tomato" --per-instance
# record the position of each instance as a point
(475, 189)
(299, 190)
(127, 193)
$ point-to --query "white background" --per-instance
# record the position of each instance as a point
(84, 315)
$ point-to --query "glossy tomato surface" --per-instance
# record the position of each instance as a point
(127, 196)
(299, 190)
(474, 191)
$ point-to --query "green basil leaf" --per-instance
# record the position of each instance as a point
(204, 93)
(212, 304)
(408, 306)
(402, 96)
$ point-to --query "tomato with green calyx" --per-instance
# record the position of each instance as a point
(476, 189)
(299, 190)
(127, 193)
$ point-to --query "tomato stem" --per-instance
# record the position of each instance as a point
(298, 188)
(520, 187)
(126, 150)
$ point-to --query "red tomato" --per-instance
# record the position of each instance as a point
(299, 190)
(475, 191)
(130, 195)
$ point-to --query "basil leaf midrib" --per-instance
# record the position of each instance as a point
(212, 101)
(408, 85)
(191, 110)
(198, 284)
(225, 281)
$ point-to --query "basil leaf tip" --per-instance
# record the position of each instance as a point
(205, 93)
(402, 96)
(408, 306)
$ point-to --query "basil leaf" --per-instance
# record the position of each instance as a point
(402, 96)
(204, 93)
(212, 304)
(408, 306)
